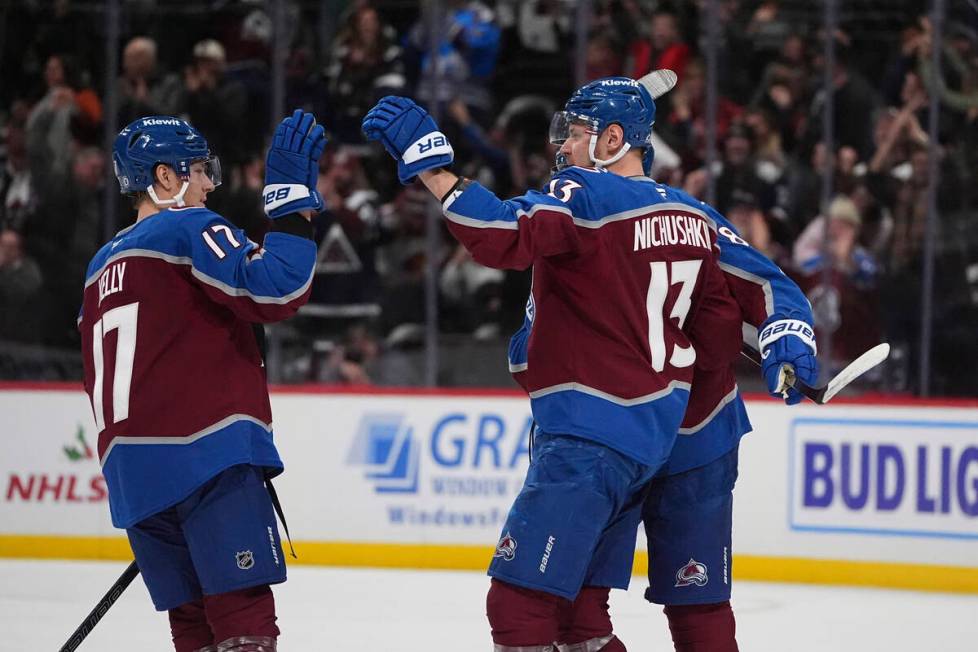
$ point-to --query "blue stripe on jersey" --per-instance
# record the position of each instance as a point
(711, 439)
(782, 296)
(644, 432)
(220, 254)
(477, 207)
(517, 348)
(137, 473)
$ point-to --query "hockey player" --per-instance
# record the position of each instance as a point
(688, 511)
(624, 271)
(690, 501)
(688, 514)
(176, 378)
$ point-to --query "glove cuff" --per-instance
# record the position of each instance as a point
(431, 144)
(279, 194)
(782, 327)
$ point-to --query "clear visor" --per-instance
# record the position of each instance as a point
(212, 168)
(562, 122)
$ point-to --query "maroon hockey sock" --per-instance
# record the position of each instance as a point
(246, 612)
(702, 627)
(189, 628)
(587, 617)
(522, 617)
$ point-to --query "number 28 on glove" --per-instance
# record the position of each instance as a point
(410, 136)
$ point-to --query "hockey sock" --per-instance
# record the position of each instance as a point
(189, 628)
(246, 612)
(522, 617)
(702, 627)
(585, 625)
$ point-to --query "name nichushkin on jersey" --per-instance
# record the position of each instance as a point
(671, 229)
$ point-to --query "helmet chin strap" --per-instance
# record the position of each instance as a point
(603, 163)
(177, 198)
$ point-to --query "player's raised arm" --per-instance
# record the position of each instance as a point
(501, 234)
(268, 283)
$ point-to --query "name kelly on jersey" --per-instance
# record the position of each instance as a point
(671, 229)
(110, 281)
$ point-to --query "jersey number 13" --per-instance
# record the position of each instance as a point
(684, 272)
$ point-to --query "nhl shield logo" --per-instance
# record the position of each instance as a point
(244, 559)
(692, 573)
(506, 548)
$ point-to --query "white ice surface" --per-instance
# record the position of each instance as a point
(320, 609)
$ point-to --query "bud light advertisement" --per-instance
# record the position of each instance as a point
(908, 478)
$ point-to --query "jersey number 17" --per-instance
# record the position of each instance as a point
(122, 320)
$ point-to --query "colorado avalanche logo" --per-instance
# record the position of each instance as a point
(506, 548)
(692, 573)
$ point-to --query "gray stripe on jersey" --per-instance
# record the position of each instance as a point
(692, 430)
(203, 278)
(182, 441)
(618, 400)
(504, 224)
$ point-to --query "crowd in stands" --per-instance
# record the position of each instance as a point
(494, 79)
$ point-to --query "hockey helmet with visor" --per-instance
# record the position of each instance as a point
(623, 101)
(161, 140)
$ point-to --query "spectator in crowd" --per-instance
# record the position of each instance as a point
(848, 306)
(684, 128)
(20, 281)
(602, 58)
(854, 99)
(472, 292)
(145, 89)
(49, 124)
(213, 102)
(349, 232)
(465, 58)
(744, 213)
(535, 39)
(910, 214)
(662, 47)
(351, 362)
(364, 65)
(18, 200)
(767, 31)
(740, 171)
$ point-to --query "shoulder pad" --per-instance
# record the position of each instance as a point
(194, 217)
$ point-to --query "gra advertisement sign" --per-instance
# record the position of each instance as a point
(879, 476)
(444, 467)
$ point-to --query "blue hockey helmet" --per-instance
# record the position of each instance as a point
(626, 102)
(155, 140)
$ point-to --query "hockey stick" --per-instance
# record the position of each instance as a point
(855, 369)
(103, 605)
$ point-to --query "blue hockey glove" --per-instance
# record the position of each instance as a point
(408, 134)
(292, 166)
(787, 345)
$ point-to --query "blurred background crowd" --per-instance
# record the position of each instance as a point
(396, 301)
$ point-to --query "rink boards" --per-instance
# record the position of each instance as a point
(865, 493)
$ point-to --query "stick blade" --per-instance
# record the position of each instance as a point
(659, 82)
(856, 368)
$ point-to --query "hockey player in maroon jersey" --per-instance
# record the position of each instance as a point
(624, 273)
(688, 510)
(176, 378)
(688, 513)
